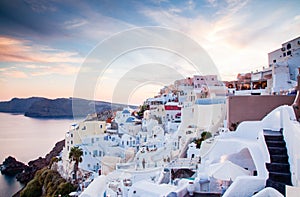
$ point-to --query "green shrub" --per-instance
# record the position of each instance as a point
(32, 189)
(64, 189)
(51, 182)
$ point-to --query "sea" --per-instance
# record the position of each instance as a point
(26, 139)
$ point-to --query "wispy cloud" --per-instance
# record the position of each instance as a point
(20, 50)
(12, 72)
(62, 69)
(237, 38)
(41, 5)
(75, 23)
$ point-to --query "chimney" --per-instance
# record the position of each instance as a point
(296, 104)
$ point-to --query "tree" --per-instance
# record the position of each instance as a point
(75, 155)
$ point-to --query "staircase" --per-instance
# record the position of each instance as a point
(279, 168)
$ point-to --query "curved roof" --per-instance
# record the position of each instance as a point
(125, 111)
(130, 119)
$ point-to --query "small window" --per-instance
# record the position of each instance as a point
(289, 53)
(71, 134)
(89, 165)
(274, 61)
(71, 142)
(101, 126)
(288, 46)
(284, 54)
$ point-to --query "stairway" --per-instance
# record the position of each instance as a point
(279, 168)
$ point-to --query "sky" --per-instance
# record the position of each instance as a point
(43, 43)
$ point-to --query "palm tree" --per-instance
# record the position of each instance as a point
(75, 155)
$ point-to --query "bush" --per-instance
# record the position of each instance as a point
(50, 182)
(64, 189)
(32, 189)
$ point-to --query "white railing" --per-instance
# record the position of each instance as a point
(291, 132)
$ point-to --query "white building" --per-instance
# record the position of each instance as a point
(193, 151)
(289, 54)
(128, 141)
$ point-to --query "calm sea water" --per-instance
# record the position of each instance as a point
(26, 139)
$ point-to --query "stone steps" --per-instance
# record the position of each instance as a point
(279, 168)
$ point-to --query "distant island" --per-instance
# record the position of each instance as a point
(39, 107)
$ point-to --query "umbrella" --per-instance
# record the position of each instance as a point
(227, 171)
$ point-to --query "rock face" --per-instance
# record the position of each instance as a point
(12, 167)
(37, 164)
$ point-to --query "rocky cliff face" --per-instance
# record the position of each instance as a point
(37, 164)
(12, 167)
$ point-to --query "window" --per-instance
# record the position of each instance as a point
(71, 142)
(289, 53)
(127, 143)
(89, 165)
(95, 153)
(288, 46)
(101, 126)
(274, 61)
(71, 134)
(284, 54)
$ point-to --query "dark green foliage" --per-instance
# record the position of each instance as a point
(51, 182)
(32, 189)
(204, 135)
(142, 109)
(76, 155)
(64, 189)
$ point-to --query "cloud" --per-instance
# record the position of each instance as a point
(41, 5)
(235, 35)
(61, 69)
(20, 50)
(75, 23)
(12, 72)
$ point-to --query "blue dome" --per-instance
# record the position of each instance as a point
(125, 111)
(130, 119)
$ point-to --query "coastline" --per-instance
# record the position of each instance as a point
(37, 164)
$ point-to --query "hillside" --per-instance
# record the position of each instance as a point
(39, 107)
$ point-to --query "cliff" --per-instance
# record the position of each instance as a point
(39, 107)
(12, 167)
(18, 105)
(37, 164)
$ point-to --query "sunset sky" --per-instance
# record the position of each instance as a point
(44, 42)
